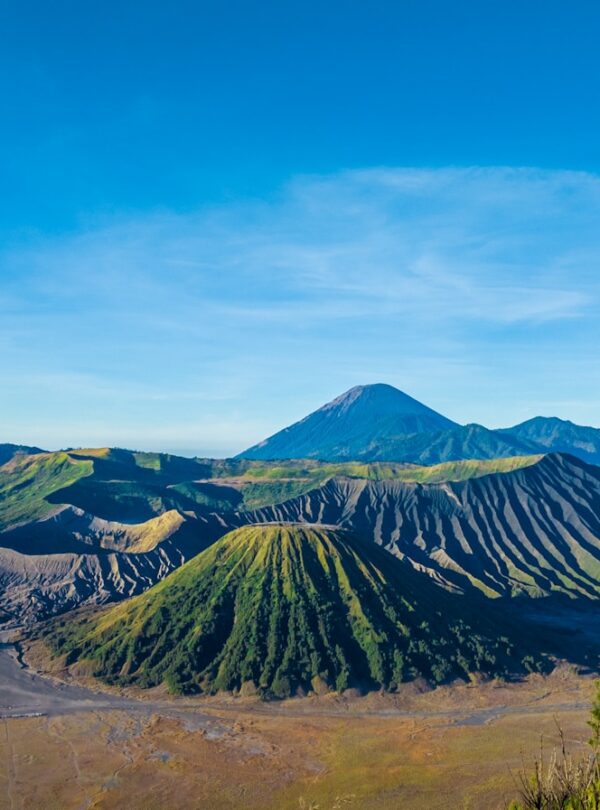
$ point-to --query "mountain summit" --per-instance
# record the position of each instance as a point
(380, 423)
(365, 421)
(555, 435)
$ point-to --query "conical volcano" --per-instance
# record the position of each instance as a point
(365, 421)
(283, 609)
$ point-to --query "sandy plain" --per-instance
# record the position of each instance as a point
(64, 746)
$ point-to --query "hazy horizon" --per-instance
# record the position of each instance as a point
(206, 452)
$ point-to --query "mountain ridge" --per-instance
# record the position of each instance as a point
(532, 531)
(381, 423)
(558, 435)
(515, 527)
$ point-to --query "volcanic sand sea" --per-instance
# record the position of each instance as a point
(455, 747)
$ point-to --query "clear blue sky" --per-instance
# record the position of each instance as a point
(217, 216)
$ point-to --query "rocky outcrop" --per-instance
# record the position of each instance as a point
(75, 561)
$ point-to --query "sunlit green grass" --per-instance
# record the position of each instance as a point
(281, 608)
(27, 481)
(121, 484)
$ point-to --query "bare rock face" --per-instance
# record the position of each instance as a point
(36, 586)
(73, 558)
(72, 530)
(533, 531)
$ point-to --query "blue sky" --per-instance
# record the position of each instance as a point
(215, 217)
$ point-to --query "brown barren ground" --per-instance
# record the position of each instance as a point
(119, 760)
(451, 748)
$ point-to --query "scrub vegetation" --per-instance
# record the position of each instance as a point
(282, 610)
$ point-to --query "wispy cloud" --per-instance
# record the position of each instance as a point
(268, 307)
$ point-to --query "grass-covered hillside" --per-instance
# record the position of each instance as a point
(9, 451)
(281, 608)
(132, 487)
(265, 483)
(28, 481)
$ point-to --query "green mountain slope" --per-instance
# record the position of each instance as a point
(554, 435)
(122, 485)
(28, 481)
(9, 451)
(286, 607)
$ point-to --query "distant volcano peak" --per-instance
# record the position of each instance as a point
(378, 393)
(352, 424)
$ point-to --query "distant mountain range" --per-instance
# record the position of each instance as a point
(551, 434)
(380, 423)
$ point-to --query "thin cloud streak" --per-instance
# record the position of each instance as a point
(276, 305)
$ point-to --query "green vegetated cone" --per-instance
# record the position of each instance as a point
(284, 609)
